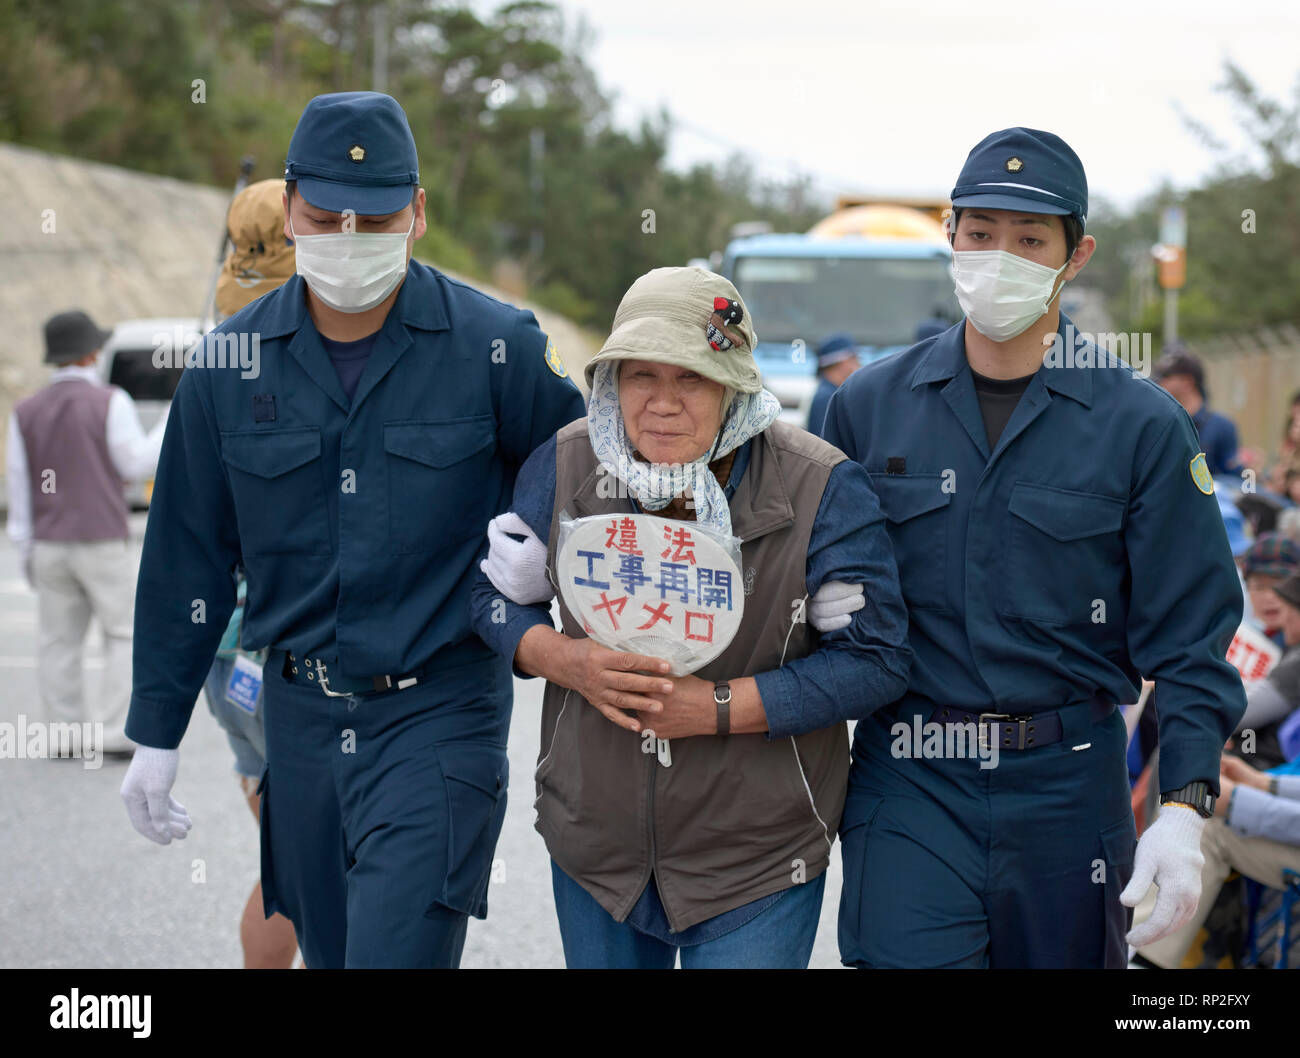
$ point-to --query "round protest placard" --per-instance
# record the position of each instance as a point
(656, 586)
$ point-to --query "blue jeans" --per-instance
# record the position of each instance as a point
(781, 938)
(244, 731)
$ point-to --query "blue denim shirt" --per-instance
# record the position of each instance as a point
(1218, 437)
(846, 544)
(831, 684)
(817, 410)
(1259, 814)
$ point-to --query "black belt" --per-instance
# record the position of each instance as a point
(1018, 731)
(314, 672)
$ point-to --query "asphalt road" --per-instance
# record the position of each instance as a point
(80, 888)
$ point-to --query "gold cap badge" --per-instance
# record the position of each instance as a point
(357, 153)
(1014, 165)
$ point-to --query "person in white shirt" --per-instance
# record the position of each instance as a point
(71, 447)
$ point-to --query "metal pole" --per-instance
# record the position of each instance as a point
(536, 154)
(1171, 316)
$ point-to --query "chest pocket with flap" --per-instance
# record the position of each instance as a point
(278, 482)
(916, 510)
(1066, 552)
(437, 470)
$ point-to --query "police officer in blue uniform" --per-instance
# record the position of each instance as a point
(1057, 537)
(371, 424)
(837, 359)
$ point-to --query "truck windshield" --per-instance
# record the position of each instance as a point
(879, 301)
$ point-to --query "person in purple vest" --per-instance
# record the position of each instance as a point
(71, 447)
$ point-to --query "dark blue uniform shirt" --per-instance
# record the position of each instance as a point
(359, 522)
(1218, 440)
(1078, 554)
(821, 400)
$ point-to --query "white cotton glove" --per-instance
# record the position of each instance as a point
(516, 568)
(829, 609)
(1168, 853)
(147, 793)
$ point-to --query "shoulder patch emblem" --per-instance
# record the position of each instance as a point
(553, 360)
(1201, 475)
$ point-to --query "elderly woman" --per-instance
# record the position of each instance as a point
(723, 853)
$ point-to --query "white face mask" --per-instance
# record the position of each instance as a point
(1002, 294)
(351, 271)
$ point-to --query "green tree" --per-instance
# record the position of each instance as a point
(520, 158)
(1243, 228)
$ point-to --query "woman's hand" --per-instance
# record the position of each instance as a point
(610, 680)
(689, 710)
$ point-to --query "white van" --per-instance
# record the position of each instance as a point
(129, 360)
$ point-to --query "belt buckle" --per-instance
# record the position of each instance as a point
(982, 727)
(324, 683)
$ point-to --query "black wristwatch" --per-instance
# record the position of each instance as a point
(1195, 795)
(722, 697)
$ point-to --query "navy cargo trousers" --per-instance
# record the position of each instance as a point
(381, 812)
(947, 864)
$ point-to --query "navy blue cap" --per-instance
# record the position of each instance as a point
(835, 348)
(354, 150)
(1025, 170)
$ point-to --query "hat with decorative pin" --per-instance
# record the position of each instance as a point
(1025, 170)
(354, 151)
(689, 317)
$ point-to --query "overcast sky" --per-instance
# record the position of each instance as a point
(890, 95)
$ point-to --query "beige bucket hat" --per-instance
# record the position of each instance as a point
(688, 317)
